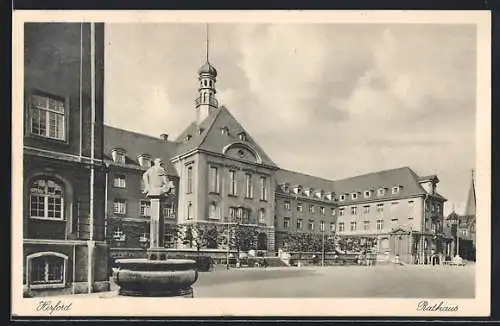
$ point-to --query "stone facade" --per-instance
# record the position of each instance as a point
(63, 190)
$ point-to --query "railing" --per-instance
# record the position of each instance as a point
(211, 101)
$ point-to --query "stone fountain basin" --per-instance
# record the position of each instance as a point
(144, 277)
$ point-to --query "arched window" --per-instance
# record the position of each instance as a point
(46, 199)
(47, 269)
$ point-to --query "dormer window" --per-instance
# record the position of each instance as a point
(298, 190)
(331, 196)
(242, 136)
(395, 190)
(118, 156)
(189, 136)
(368, 193)
(310, 192)
(354, 196)
(285, 187)
(342, 197)
(381, 191)
(144, 160)
(224, 130)
(200, 131)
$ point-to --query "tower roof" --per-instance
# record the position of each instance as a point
(207, 68)
(470, 208)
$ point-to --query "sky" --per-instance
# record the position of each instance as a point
(330, 100)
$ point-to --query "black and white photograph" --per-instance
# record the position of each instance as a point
(179, 164)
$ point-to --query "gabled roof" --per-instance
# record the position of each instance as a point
(305, 180)
(404, 177)
(212, 139)
(135, 144)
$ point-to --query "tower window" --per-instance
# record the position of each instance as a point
(224, 130)
(205, 82)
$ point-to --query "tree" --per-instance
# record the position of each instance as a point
(200, 236)
(243, 238)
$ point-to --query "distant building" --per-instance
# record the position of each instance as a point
(64, 245)
(225, 179)
(462, 228)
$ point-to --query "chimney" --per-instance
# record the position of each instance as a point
(164, 137)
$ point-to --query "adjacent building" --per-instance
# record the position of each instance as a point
(462, 228)
(64, 246)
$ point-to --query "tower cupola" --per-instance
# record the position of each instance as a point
(207, 77)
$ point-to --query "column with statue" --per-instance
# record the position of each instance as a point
(156, 275)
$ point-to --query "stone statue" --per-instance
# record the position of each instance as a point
(156, 181)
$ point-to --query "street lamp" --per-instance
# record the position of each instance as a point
(323, 248)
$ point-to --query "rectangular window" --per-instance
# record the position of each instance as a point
(189, 179)
(311, 208)
(322, 210)
(342, 197)
(299, 207)
(368, 193)
(353, 226)
(354, 196)
(232, 182)
(366, 225)
(213, 211)
(213, 179)
(381, 192)
(311, 225)
(341, 227)
(366, 209)
(119, 181)
(341, 211)
(286, 205)
(299, 224)
(263, 188)
(233, 213)
(332, 227)
(395, 190)
(48, 269)
(262, 215)
(322, 226)
(145, 208)
(47, 117)
(332, 211)
(286, 222)
(394, 205)
(248, 186)
(189, 212)
(169, 211)
(380, 208)
(354, 210)
(380, 225)
(120, 206)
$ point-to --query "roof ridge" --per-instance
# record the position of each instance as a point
(138, 133)
(307, 175)
(376, 172)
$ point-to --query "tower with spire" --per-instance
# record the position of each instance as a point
(207, 76)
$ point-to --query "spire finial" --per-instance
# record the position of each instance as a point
(207, 30)
(472, 173)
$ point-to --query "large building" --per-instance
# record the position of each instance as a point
(225, 178)
(64, 246)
